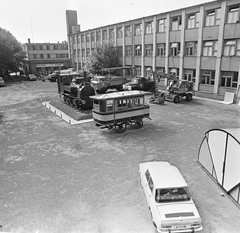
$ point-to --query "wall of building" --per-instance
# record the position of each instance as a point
(44, 58)
(199, 43)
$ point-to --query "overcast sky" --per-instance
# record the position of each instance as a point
(45, 20)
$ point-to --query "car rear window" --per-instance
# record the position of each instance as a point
(172, 194)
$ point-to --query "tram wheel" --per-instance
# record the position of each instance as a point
(139, 124)
(120, 128)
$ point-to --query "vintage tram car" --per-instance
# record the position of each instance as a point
(119, 109)
(75, 90)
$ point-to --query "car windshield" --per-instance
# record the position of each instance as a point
(134, 80)
(172, 194)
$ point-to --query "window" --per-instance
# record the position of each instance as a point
(120, 51)
(148, 72)
(231, 48)
(229, 79)
(193, 20)
(82, 38)
(87, 37)
(148, 50)
(208, 77)
(138, 29)
(161, 49)
(233, 15)
(119, 32)
(172, 194)
(93, 36)
(129, 30)
(138, 50)
(174, 72)
(150, 184)
(121, 104)
(176, 23)
(175, 49)
(48, 56)
(129, 50)
(162, 26)
(98, 36)
(213, 17)
(138, 102)
(138, 70)
(190, 75)
(78, 39)
(149, 27)
(88, 52)
(210, 48)
(41, 55)
(112, 34)
(105, 35)
(191, 48)
(83, 52)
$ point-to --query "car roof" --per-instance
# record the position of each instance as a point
(164, 175)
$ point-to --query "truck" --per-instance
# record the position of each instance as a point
(140, 83)
(102, 83)
(176, 88)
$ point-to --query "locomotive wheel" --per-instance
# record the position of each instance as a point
(121, 127)
(139, 124)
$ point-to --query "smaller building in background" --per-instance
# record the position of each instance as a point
(45, 58)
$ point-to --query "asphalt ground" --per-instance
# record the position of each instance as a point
(57, 178)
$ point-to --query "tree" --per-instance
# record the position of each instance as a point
(105, 55)
(11, 53)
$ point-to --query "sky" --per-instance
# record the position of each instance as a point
(45, 20)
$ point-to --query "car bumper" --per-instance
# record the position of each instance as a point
(179, 231)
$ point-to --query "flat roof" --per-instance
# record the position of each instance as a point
(120, 95)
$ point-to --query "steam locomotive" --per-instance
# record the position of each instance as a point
(74, 88)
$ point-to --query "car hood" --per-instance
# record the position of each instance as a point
(178, 211)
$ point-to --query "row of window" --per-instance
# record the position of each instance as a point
(212, 18)
(228, 78)
(43, 56)
(230, 48)
(49, 47)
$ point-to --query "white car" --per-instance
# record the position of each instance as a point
(32, 77)
(168, 198)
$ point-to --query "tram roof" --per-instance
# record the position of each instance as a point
(120, 95)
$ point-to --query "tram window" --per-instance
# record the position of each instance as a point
(109, 105)
(129, 104)
(121, 104)
(138, 102)
(102, 106)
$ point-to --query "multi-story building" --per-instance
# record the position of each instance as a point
(44, 58)
(199, 43)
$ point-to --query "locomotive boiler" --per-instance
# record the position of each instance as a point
(75, 90)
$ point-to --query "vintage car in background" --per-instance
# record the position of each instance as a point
(2, 83)
(168, 198)
(32, 77)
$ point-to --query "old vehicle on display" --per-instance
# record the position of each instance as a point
(176, 88)
(74, 90)
(111, 78)
(172, 208)
(102, 83)
(140, 83)
(119, 109)
(32, 77)
(2, 82)
(53, 77)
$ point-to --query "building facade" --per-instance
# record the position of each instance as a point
(44, 58)
(199, 43)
